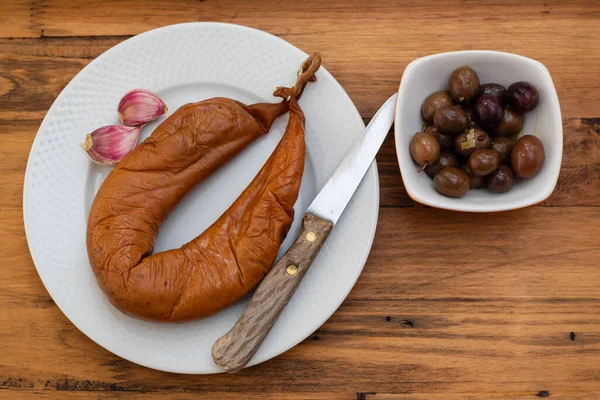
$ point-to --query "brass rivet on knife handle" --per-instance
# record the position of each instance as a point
(235, 349)
(311, 237)
(292, 269)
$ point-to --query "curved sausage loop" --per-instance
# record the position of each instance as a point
(228, 259)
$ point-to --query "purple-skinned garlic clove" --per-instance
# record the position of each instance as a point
(110, 144)
(140, 106)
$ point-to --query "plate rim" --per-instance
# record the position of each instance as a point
(372, 172)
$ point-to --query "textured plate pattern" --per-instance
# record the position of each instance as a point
(60, 182)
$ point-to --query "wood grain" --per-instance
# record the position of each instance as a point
(236, 348)
(366, 45)
(449, 305)
(21, 18)
(414, 322)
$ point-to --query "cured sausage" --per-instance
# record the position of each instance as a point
(231, 257)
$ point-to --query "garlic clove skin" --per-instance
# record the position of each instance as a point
(140, 106)
(110, 144)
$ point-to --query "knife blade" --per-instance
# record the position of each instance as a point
(337, 192)
(235, 349)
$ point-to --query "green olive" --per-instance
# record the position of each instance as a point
(434, 102)
(451, 120)
(424, 149)
(476, 181)
(511, 124)
(452, 182)
(527, 156)
(483, 162)
(503, 145)
(469, 141)
(445, 160)
(463, 85)
(443, 139)
(501, 180)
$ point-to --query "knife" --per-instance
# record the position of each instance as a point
(235, 349)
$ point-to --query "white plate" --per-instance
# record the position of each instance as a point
(185, 63)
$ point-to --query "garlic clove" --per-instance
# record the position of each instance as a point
(140, 106)
(110, 144)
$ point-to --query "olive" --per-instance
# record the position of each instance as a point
(433, 102)
(431, 129)
(451, 120)
(452, 182)
(527, 156)
(476, 181)
(444, 140)
(424, 148)
(463, 85)
(493, 89)
(445, 160)
(522, 96)
(511, 124)
(483, 162)
(488, 112)
(503, 146)
(471, 114)
(501, 180)
(469, 141)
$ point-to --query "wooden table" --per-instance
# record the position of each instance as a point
(449, 306)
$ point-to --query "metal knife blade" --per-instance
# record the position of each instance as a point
(337, 192)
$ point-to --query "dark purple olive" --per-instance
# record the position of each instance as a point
(469, 141)
(476, 181)
(452, 182)
(483, 162)
(522, 96)
(493, 89)
(433, 102)
(501, 180)
(503, 145)
(463, 85)
(444, 140)
(488, 112)
(445, 160)
(527, 156)
(424, 149)
(451, 120)
(512, 123)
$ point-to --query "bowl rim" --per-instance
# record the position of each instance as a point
(548, 188)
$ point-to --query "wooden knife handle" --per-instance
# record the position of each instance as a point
(235, 349)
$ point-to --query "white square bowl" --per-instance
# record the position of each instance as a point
(430, 74)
